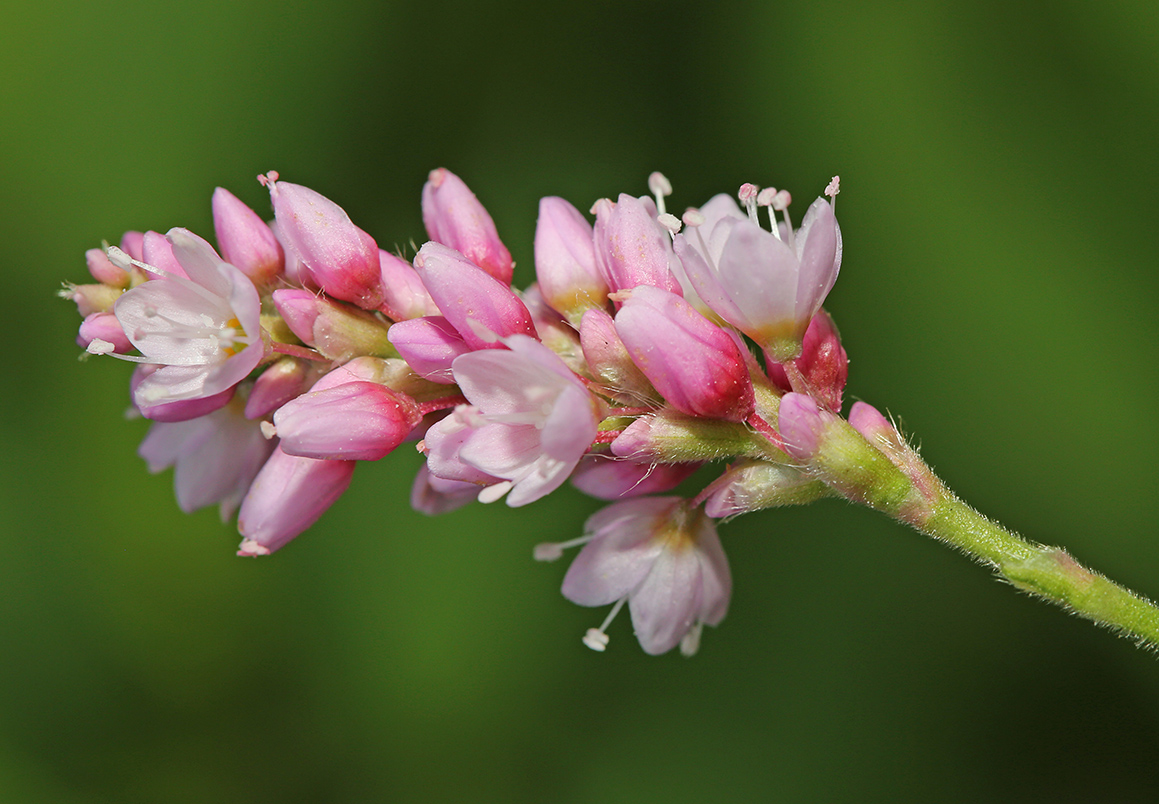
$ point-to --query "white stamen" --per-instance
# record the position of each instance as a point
(99, 347)
(550, 551)
(119, 258)
(595, 638)
(268, 430)
(748, 196)
(781, 202)
(660, 187)
(690, 644)
(693, 217)
(495, 491)
(669, 222)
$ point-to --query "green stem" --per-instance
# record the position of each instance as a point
(889, 476)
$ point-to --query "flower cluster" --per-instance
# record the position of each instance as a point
(648, 347)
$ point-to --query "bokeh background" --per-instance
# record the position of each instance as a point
(998, 292)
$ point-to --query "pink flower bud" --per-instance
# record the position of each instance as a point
(156, 250)
(91, 298)
(801, 425)
(287, 496)
(244, 239)
(454, 217)
(277, 385)
(342, 258)
(867, 420)
(565, 260)
(404, 296)
(610, 363)
(633, 248)
(609, 479)
(429, 345)
(694, 364)
(823, 363)
(104, 271)
(339, 331)
(351, 421)
(478, 306)
(133, 244)
(103, 327)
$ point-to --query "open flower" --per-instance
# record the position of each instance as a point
(531, 421)
(661, 556)
(204, 332)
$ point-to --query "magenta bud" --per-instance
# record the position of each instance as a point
(103, 270)
(342, 258)
(610, 479)
(694, 364)
(429, 345)
(481, 308)
(278, 384)
(352, 421)
(103, 327)
(287, 496)
(454, 217)
(156, 250)
(823, 362)
(565, 260)
(182, 409)
(244, 239)
(404, 296)
(801, 425)
(633, 248)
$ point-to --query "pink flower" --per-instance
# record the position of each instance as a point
(661, 556)
(766, 287)
(694, 364)
(216, 457)
(454, 217)
(532, 420)
(205, 331)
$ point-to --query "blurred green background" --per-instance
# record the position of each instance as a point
(998, 291)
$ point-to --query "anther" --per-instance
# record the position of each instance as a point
(660, 186)
(693, 217)
(748, 196)
(669, 222)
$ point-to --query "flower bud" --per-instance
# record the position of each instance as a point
(340, 332)
(565, 260)
(609, 479)
(429, 345)
(750, 485)
(278, 384)
(287, 496)
(823, 363)
(403, 294)
(610, 363)
(634, 250)
(342, 258)
(244, 239)
(104, 327)
(669, 436)
(156, 250)
(692, 362)
(91, 298)
(103, 270)
(349, 421)
(454, 217)
(481, 308)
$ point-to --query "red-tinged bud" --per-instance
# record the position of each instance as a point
(244, 239)
(342, 258)
(694, 364)
(481, 308)
(633, 248)
(340, 332)
(346, 420)
(565, 260)
(404, 296)
(610, 363)
(288, 496)
(823, 363)
(454, 217)
(609, 479)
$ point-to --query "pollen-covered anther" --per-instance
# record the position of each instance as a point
(748, 194)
